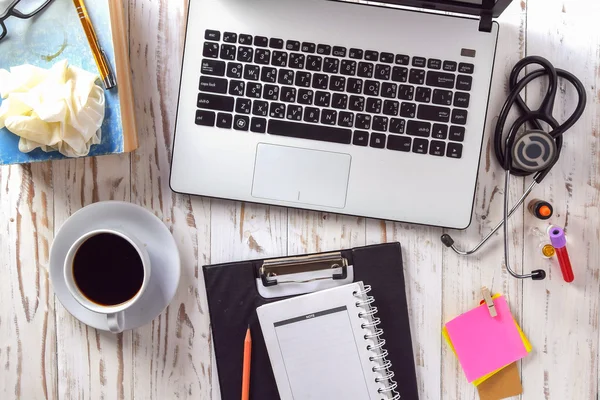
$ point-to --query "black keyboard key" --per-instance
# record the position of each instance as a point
(372, 88)
(346, 119)
(288, 94)
(279, 58)
(389, 90)
(211, 50)
(215, 102)
(258, 125)
(339, 101)
(268, 74)
(212, 35)
(242, 106)
(205, 118)
(417, 76)
(462, 99)
(420, 146)
(373, 105)
(348, 67)
(433, 113)
(294, 112)
(262, 56)
(260, 108)
(251, 72)
(331, 65)
(320, 81)
(314, 63)
(463, 82)
(277, 110)
(224, 120)
(378, 140)
(361, 138)
(454, 150)
(312, 114)
(465, 68)
(391, 107)
(397, 125)
(324, 49)
(408, 110)
(328, 117)
(241, 122)
(457, 133)
(442, 97)
(371, 55)
(292, 45)
(399, 143)
(271, 92)
(439, 131)
(387, 58)
(357, 103)
(285, 77)
(437, 148)
(234, 70)
(230, 37)
(305, 96)
(380, 124)
(296, 61)
(365, 69)
(449, 66)
(227, 52)
(418, 128)
(245, 39)
(339, 51)
(423, 95)
(254, 90)
(363, 121)
(400, 74)
(337, 83)
(322, 99)
(303, 79)
(276, 43)
(440, 79)
(402, 59)
(236, 88)
(357, 54)
(383, 72)
(433, 63)
(213, 85)
(354, 86)
(419, 62)
(261, 41)
(312, 132)
(308, 47)
(245, 54)
(459, 116)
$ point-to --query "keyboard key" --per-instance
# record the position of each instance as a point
(277, 110)
(230, 37)
(399, 74)
(433, 113)
(314, 63)
(331, 65)
(418, 128)
(320, 81)
(437, 148)
(262, 56)
(402, 59)
(261, 41)
(303, 79)
(419, 62)
(433, 63)
(440, 79)
(399, 143)
(459, 116)
(211, 50)
(465, 68)
(245, 39)
(391, 107)
(357, 54)
(408, 110)
(241, 122)
(449, 66)
(357, 103)
(387, 58)
(389, 90)
(457, 133)
(354, 86)
(361, 138)
(337, 83)
(346, 119)
(383, 72)
(464, 82)
(328, 117)
(242, 106)
(380, 124)
(339, 101)
(276, 43)
(312, 132)
(462, 99)
(213, 85)
(258, 125)
(373, 105)
(442, 97)
(439, 131)
(423, 95)
(348, 67)
(417, 76)
(339, 51)
(305, 96)
(271, 92)
(251, 72)
(454, 150)
(420, 146)
(285, 77)
(227, 52)
(205, 118)
(245, 54)
(292, 45)
(406, 92)
(254, 90)
(312, 114)
(224, 120)
(212, 35)
(363, 121)
(260, 108)
(294, 112)
(288, 94)
(324, 49)
(308, 47)
(365, 69)
(397, 125)
(322, 99)
(296, 61)
(378, 140)
(215, 102)
(236, 88)
(371, 88)
(268, 74)
(371, 55)
(234, 70)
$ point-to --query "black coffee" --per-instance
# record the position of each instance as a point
(108, 270)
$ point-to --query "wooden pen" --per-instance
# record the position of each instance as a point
(246, 368)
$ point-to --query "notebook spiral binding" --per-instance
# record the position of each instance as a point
(374, 333)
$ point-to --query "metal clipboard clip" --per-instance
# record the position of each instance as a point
(272, 271)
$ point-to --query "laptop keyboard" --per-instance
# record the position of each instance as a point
(334, 94)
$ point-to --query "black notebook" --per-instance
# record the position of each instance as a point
(236, 290)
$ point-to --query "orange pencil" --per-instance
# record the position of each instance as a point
(246, 373)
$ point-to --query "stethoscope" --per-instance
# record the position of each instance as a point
(532, 151)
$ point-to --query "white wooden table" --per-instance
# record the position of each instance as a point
(46, 354)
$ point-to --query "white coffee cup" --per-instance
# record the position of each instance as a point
(115, 314)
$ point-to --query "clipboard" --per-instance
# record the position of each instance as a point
(235, 290)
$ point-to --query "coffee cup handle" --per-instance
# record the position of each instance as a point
(116, 322)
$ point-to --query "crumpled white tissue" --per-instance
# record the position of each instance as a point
(57, 109)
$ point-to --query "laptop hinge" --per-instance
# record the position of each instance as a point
(485, 23)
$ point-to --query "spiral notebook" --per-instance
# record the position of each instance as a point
(327, 345)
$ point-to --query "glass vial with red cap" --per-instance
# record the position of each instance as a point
(540, 209)
(559, 241)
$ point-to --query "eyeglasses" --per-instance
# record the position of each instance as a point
(22, 9)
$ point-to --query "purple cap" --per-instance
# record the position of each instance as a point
(557, 237)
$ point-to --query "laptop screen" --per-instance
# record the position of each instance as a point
(471, 7)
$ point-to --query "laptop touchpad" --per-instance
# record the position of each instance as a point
(301, 175)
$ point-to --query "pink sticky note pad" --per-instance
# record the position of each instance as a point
(484, 344)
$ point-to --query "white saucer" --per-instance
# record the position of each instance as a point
(137, 221)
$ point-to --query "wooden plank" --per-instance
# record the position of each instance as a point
(562, 319)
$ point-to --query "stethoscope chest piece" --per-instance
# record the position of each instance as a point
(533, 151)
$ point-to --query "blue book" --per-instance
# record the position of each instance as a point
(56, 34)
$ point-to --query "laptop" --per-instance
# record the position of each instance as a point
(367, 110)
